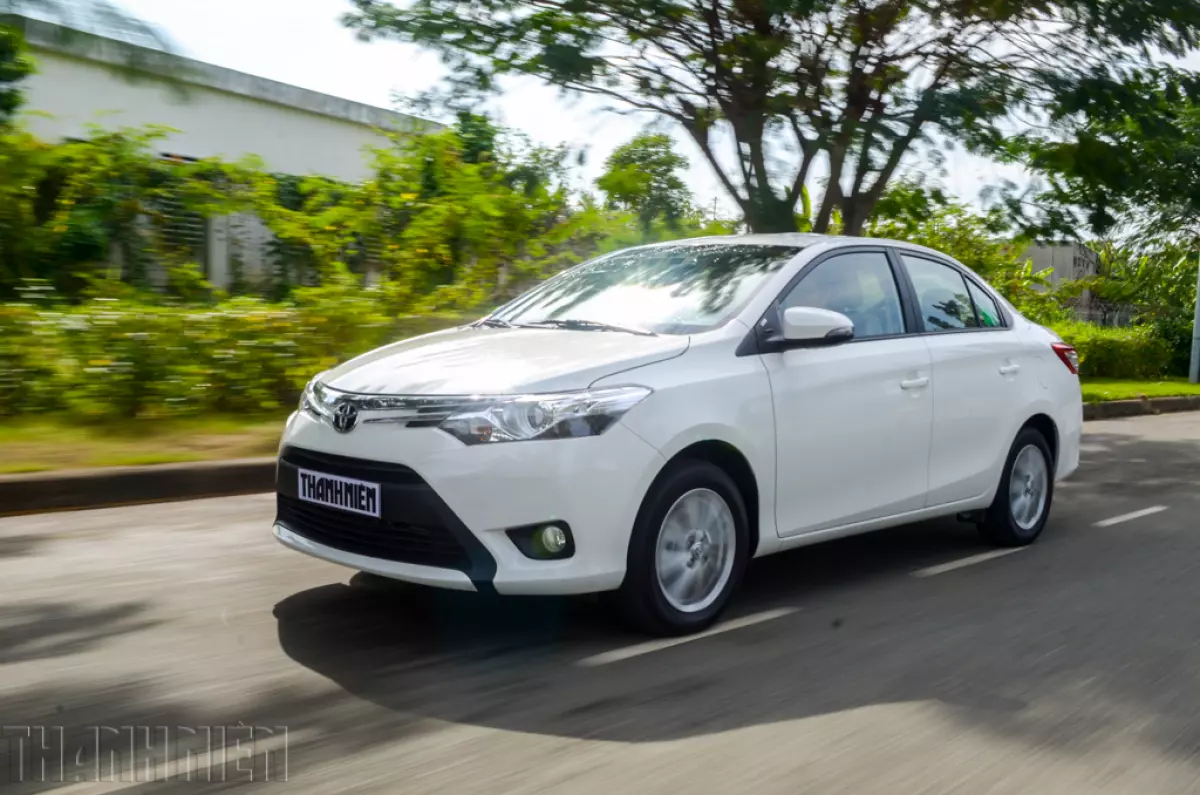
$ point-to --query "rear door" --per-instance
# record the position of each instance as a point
(980, 375)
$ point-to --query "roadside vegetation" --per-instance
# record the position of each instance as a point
(115, 349)
(52, 442)
(1098, 390)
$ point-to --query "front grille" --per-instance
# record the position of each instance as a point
(375, 538)
(416, 525)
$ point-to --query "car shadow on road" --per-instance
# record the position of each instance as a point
(1088, 633)
(394, 624)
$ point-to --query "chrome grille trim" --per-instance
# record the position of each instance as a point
(321, 401)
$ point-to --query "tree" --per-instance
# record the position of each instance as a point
(1120, 155)
(852, 84)
(15, 66)
(643, 176)
(910, 210)
(1157, 281)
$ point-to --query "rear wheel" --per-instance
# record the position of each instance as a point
(1019, 512)
(687, 552)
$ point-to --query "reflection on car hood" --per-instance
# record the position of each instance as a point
(479, 361)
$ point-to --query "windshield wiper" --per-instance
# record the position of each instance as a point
(494, 322)
(587, 325)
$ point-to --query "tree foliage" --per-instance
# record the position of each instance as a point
(1118, 158)
(910, 210)
(106, 204)
(645, 176)
(454, 219)
(15, 66)
(852, 85)
(923, 214)
(1159, 283)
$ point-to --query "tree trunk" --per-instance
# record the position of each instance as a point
(854, 215)
(769, 215)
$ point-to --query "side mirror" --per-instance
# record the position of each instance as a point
(810, 327)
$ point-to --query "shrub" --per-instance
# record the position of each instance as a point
(108, 358)
(28, 355)
(1106, 352)
(1177, 332)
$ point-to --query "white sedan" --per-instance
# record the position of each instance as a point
(648, 421)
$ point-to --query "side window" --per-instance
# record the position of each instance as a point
(860, 286)
(985, 307)
(943, 301)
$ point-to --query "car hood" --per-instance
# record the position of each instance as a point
(479, 360)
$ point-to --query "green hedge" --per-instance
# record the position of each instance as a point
(110, 358)
(1105, 352)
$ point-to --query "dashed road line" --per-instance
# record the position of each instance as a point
(617, 655)
(982, 557)
(1127, 517)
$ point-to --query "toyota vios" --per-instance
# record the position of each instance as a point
(648, 421)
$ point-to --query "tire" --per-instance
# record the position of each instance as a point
(692, 494)
(1011, 521)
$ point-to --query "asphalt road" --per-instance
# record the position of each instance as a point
(903, 662)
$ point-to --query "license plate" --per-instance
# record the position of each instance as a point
(346, 494)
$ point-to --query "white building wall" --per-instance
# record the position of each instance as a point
(211, 123)
(1070, 262)
(84, 79)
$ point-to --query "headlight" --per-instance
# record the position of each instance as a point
(555, 416)
(306, 397)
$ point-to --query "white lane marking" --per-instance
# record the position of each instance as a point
(616, 655)
(942, 568)
(1125, 517)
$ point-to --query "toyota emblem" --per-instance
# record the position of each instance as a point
(344, 418)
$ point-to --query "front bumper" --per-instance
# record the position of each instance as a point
(446, 506)
(409, 572)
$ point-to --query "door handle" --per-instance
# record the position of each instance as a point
(1009, 369)
(915, 383)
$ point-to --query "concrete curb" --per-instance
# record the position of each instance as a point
(75, 490)
(1113, 409)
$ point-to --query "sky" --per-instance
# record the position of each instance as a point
(301, 42)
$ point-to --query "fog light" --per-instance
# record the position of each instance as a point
(552, 539)
(548, 541)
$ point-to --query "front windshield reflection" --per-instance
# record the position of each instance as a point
(673, 289)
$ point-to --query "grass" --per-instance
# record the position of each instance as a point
(1096, 390)
(45, 444)
(50, 443)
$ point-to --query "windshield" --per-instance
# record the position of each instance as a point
(673, 289)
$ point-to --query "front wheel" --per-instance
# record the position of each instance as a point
(688, 550)
(1019, 512)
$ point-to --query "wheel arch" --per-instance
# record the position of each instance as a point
(735, 464)
(1048, 428)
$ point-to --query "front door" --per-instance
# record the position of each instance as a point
(853, 421)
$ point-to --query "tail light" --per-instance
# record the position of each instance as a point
(1068, 355)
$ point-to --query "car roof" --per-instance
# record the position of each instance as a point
(797, 240)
